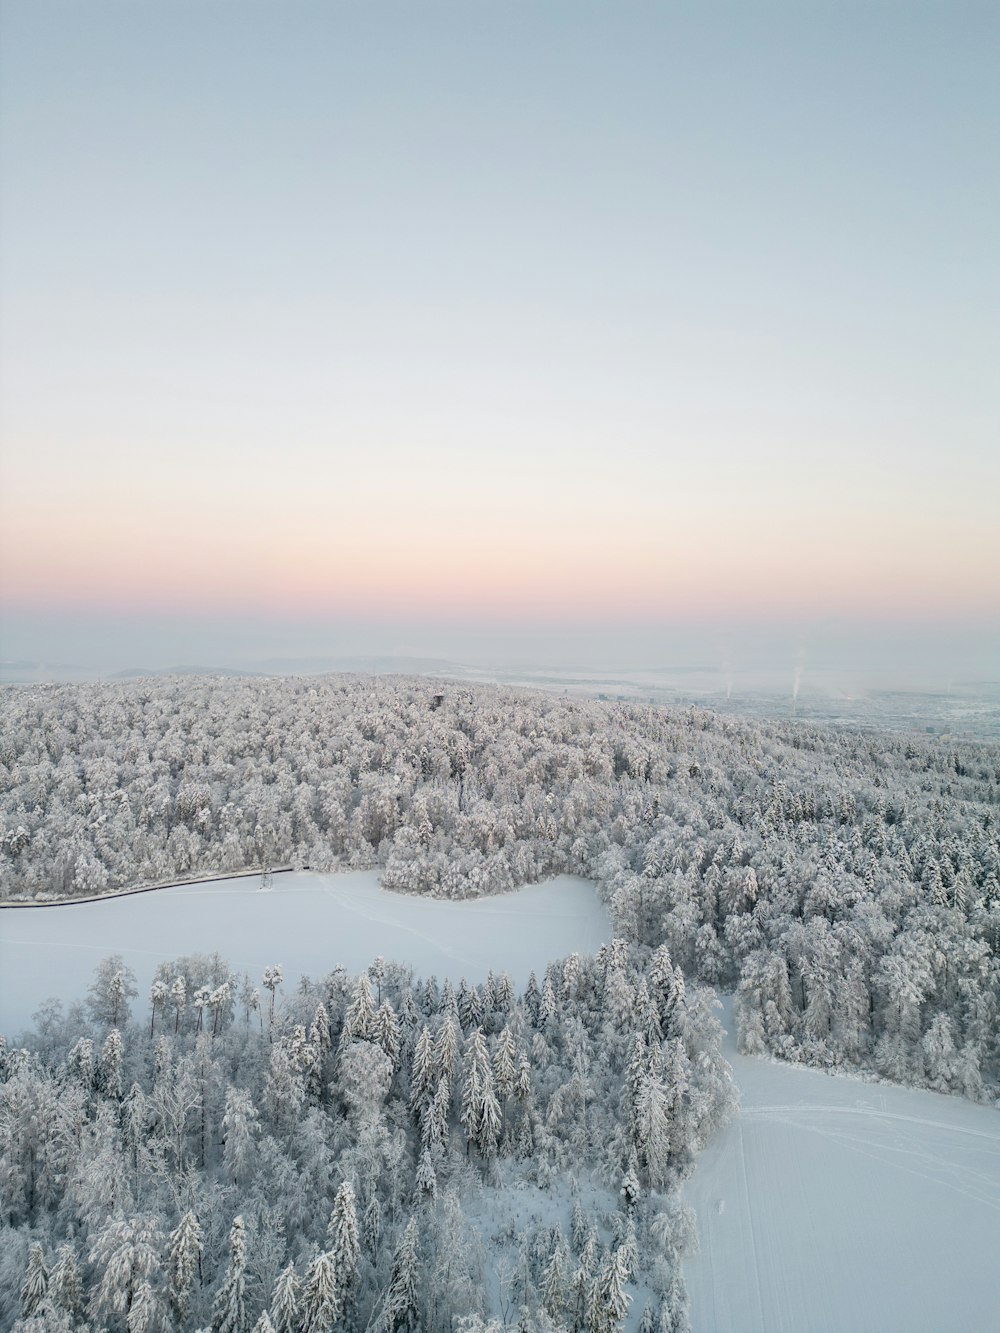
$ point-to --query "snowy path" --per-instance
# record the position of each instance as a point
(309, 923)
(832, 1205)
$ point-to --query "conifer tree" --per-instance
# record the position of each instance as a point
(554, 1282)
(579, 1226)
(319, 1307)
(447, 1048)
(532, 997)
(504, 1067)
(80, 1063)
(426, 1178)
(127, 1252)
(178, 998)
(649, 1322)
(271, 980)
(36, 1280)
(472, 1101)
(371, 1228)
(422, 1070)
(490, 1118)
(434, 1129)
(144, 1312)
(547, 1006)
(386, 1031)
(609, 1301)
(343, 1242)
(230, 1308)
(66, 1283)
(185, 1247)
(285, 1301)
(239, 1124)
(402, 1310)
(652, 1135)
(360, 1017)
(112, 1056)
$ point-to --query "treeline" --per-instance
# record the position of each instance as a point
(237, 1159)
(846, 884)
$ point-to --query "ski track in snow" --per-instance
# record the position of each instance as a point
(829, 1205)
(307, 922)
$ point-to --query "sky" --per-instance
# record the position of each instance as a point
(564, 331)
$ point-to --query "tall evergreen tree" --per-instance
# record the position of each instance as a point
(402, 1309)
(36, 1280)
(185, 1247)
(343, 1243)
(285, 1301)
(320, 1306)
(230, 1308)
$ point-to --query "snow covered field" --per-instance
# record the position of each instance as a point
(831, 1204)
(309, 923)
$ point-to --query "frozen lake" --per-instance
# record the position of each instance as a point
(309, 923)
(832, 1204)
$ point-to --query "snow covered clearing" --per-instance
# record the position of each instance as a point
(829, 1204)
(309, 923)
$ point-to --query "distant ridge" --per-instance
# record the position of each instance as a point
(133, 673)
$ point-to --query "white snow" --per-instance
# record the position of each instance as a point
(309, 923)
(831, 1204)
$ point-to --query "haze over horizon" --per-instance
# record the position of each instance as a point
(590, 335)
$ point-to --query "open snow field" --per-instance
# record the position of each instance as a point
(309, 923)
(830, 1204)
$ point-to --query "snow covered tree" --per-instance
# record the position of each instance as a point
(271, 980)
(113, 987)
(386, 1031)
(504, 1064)
(110, 1067)
(653, 1128)
(36, 1280)
(159, 997)
(359, 1020)
(185, 1247)
(423, 1076)
(554, 1282)
(127, 1254)
(238, 1130)
(178, 998)
(65, 1291)
(447, 1048)
(609, 1301)
(285, 1301)
(343, 1243)
(402, 1309)
(320, 1304)
(426, 1178)
(144, 1312)
(229, 1312)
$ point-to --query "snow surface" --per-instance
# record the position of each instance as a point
(308, 923)
(830, 1204)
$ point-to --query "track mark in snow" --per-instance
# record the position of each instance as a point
(748, 1213)
(878, 1214)
(782, 1112)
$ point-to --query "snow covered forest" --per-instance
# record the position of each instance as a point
(339, 1159)
(847, 883)
(292, 1160)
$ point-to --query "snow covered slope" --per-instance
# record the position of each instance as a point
(308, 923)
(830, 1204)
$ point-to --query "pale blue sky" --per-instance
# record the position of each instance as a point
(659, 296)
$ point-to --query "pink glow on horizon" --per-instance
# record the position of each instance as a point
(586, 545)
(531, 575)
